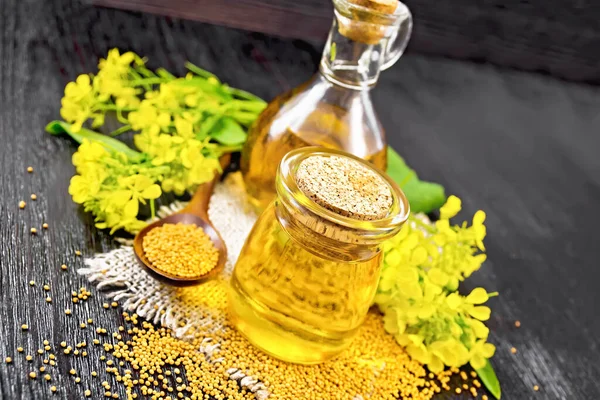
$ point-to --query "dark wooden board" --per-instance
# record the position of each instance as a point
(520, 146)
(558, 37)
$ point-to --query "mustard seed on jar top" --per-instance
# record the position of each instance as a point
(181, 250)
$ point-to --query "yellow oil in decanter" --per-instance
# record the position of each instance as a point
(271, 137)
(302, 307)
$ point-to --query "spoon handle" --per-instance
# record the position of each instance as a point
(198, 205)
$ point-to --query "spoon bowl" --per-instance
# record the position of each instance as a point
(195, 213)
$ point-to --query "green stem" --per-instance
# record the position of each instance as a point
(199, 71)
(242, 94)
(121, 118)
(138, 77)
(112, 107)
(146, 81)
(229, 149)
(58, 127)
(117, 132)
(152, 208)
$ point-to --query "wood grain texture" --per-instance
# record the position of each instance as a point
(307, 19)
(558, 37)
(520, 146)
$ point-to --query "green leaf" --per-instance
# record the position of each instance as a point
(207, 125)
(489, 379)
(422, 196)
(228, 132)
(110, 144)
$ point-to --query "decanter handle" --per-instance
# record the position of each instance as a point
(399, 39)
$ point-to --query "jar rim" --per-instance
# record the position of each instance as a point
(289, 192)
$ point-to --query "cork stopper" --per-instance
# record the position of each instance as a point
(382, 6)
(365, 28)
(344, 186)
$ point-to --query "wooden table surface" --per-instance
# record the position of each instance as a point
(522, 147)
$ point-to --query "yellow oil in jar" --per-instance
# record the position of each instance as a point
(288, 123)
(293, 303)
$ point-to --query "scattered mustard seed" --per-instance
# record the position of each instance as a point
(53, 388)
(77, 252)
(82, 325)
(42, 368)
(73, 372)
(45, 225)
(484, 397)
(114, 304)
(24, 327)
(8, 360)
(536, 388)
(30, 169)
(518, 324)
(28, 357)
(33, 231)
(22, 204)
(40, 351)
(458, 391)
(94, 373)
(63, 267)
(32, 375)
(47, 377)
(31, 283)
(513, 350)
(20, 349)
(87, 393)
(63, 344)
(105, 305)
(48, 300)
(68, 311)
(77, 380)
(46, 287)
(33, 196)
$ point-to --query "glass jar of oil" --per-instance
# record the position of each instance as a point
(334, 108)
(307, 274)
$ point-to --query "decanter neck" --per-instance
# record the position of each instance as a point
(363, 41)
(350, 63)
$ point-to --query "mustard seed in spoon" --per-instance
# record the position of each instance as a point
(181, 250)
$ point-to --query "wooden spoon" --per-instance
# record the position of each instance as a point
(195, 213)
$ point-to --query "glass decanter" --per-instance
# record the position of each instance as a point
(333, 109)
